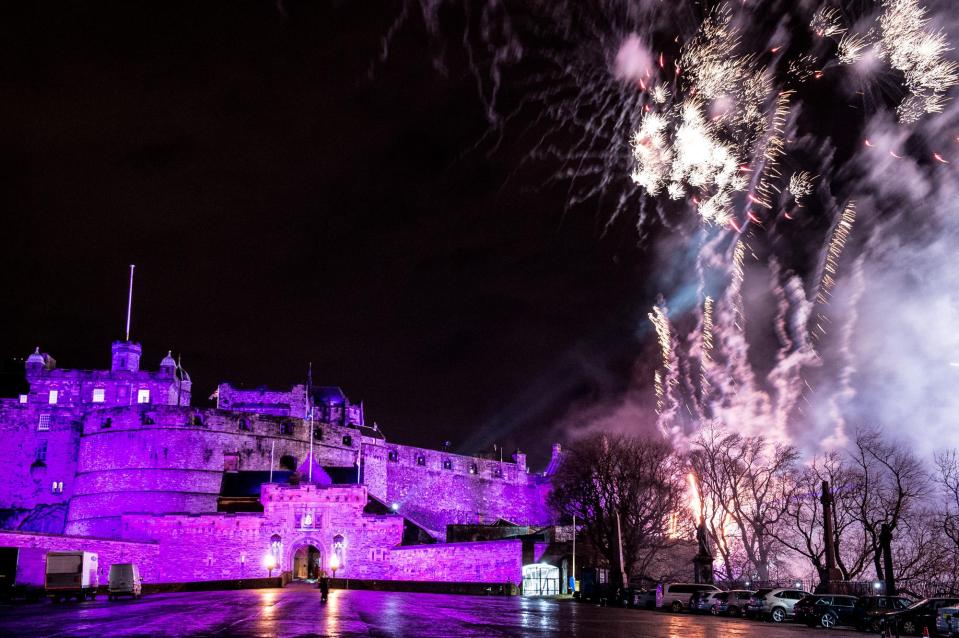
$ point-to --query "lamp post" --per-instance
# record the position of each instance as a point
(334, 564)
(270, 563)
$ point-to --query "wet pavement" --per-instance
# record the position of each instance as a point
(296, 611)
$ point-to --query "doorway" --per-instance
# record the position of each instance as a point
(306, 563)
(540, 579)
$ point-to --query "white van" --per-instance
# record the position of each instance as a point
(124, 581)
(675, 596)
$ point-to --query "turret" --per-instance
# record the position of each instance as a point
(126, 356)
(35, 362)
(168, 364)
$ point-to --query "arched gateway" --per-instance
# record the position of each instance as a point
(306, 559)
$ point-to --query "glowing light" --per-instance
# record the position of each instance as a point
(938, 158)
(851, 47)
(836, 243)
(826, 22)
(918, 53)
(800, 184)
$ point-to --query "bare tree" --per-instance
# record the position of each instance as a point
(804, 533)
(749, 482)
(893, 485)
(947, 480)
(640, 479)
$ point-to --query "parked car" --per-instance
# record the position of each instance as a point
(754, 606)
(869, 609)
(947, 622)
(731, 603)
(919, 616)
(776, 604)
(675, 596)
(124, 581)
(702, 601)
(826, 610)
(72, 574)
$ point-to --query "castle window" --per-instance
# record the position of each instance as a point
(23, 398)
(197, 420)
(348, 440)
(44, 423)
(244, 425)
(57, 487)
(99, 395)
(107, 422)
(318, 433)
(286, 428)
(54, 395)
(143, 395)
(447, 464)
(42, 451)
(498, 472)
(421, 460)
(472, 468)
(393, 456)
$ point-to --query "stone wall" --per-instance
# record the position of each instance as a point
(37, 467)
(436, 488)
(263, 400)
(167, 459)
(234, 546)
(484, 562)
(145, 555)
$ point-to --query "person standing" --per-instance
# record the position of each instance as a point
(324, 586)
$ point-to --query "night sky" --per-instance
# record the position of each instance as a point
(283, 206)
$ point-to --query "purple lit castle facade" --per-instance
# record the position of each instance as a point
(118, 462)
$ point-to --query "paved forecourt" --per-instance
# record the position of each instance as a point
(296, 611)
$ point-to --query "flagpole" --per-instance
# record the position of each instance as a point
(309, 404)
(179, 381)
(130, 301)
(272, 448)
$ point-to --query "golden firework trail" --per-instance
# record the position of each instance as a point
(836, 243)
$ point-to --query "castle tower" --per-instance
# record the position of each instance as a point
(126, 356)
(168, 364)
(35, 362)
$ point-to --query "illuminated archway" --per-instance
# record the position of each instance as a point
(307, 563)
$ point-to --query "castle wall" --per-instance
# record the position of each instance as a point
(32, 461)
(435, 488)
(145, 555)
(166, 459)
(233, 546)
(485, 562)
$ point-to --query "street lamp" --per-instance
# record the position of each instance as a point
(334, 564)
(269, 561)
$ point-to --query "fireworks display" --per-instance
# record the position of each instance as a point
(717, 125)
